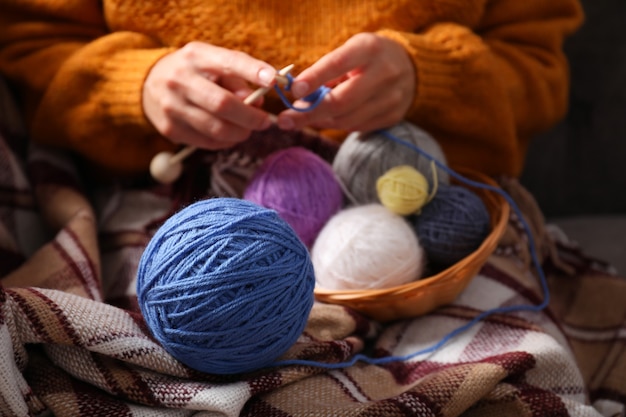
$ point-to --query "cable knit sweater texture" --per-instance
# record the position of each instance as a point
(490, 73)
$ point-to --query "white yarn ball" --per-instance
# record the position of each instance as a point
(366, 247)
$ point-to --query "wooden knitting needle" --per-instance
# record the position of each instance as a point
(166, 167)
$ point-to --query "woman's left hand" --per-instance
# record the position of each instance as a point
(373, 85)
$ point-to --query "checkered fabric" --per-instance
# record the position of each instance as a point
(73, 343)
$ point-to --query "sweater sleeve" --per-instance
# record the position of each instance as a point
(486, 90)
(80, 85)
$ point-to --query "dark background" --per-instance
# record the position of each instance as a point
(579, 167)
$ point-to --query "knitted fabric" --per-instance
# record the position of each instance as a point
(480, 94)
(65, 352)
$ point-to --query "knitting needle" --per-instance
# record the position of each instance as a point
(166, 167)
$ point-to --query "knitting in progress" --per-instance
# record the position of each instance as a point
(186, 229)
(67, 352)
(207, 281)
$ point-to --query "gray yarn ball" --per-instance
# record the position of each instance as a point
(363, 158)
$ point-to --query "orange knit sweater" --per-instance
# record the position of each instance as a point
(490, 73)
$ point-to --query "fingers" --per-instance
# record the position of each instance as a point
(377, 113)
(237, 87)
(196, 95)
(348, 58)
(351, 97)
(342, 111)
(375, 86)
(228, 63)
(220, 103)
(190, 125)
(224, 101)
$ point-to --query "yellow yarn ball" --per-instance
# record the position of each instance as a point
(403, 190)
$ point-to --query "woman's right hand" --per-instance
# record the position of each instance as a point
(194, 96)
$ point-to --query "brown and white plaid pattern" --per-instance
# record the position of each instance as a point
(72, 342)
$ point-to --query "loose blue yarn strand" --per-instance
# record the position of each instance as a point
(316, 99)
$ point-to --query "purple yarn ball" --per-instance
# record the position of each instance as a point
(452, 225)
(300, 186)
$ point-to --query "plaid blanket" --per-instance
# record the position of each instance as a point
(72, 342)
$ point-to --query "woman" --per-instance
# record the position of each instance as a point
(118, 82)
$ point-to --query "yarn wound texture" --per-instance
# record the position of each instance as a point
(362, 159)
(452, 225)
(300, 186)
(225, 286)
(403, 190)
(367, 247)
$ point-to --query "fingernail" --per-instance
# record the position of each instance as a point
(286, 123)
(242, 94)
(299, 88)
(266, 76)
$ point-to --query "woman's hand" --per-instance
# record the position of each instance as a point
(194, 96)
(373, 84)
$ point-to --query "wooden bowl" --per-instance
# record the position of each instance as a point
(426, 294)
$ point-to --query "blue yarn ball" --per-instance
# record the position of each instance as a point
(452, 225)
(225, 286)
